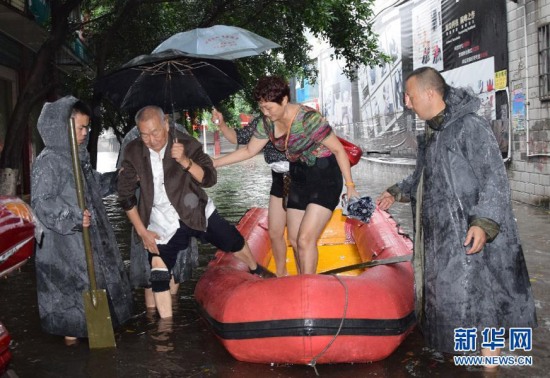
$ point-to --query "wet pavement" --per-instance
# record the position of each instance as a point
(185, 347)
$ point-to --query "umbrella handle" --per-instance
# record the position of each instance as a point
(81, 203)
(174, 134)
(217, 121)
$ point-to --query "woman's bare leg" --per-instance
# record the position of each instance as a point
(306, 234)
(276, 226)
(293, 220)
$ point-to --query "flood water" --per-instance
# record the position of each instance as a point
(185, 347)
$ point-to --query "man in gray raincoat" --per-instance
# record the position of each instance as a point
(469, 266)
(61, 270)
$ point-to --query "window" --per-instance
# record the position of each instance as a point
(7, 99)
(544, 62)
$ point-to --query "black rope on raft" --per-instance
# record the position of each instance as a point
(313, 361)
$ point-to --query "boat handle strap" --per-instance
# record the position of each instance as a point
(370, 264)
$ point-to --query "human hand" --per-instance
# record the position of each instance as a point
(86, 218)
(149, 241)
(352, 193)
(178, 154)
(385, 200)
(217, 117)
(477, 236)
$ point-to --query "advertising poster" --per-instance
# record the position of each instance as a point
(381, 87)
(465, 40)
(518, 107)
(479, 77)
(336, 103)
(474, 30)
(427, 37)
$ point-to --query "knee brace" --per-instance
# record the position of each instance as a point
(160, 280)
(160, 286)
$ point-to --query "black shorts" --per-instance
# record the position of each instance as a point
(320, 184)
(222, 234)
(277, 184)
(169, 252)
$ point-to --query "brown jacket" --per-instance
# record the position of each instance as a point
(184, 192)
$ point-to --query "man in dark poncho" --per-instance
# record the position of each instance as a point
(469, 266)
(61, 271)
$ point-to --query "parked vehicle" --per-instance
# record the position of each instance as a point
(17, 236)
(17, 233)
(5, 354)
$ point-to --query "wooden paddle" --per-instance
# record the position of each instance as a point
(370, 264)
(96, 306)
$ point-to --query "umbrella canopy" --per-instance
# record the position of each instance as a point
(220, 41)
(171, 79)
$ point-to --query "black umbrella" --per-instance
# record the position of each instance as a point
(171, 79)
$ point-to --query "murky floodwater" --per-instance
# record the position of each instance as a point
(184, 347)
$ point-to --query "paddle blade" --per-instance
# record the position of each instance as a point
(98, 320)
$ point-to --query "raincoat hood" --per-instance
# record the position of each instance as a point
(53, 123)
(460, 101)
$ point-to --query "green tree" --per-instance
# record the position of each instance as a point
(118, 30)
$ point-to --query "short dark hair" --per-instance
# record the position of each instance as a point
(148, 112)
(430, 78)
(271, 89)
(82, 108)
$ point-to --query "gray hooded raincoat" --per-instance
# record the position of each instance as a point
(465, 182)
(61, 271)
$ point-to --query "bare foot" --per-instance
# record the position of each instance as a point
(70, 340)
(490, 353)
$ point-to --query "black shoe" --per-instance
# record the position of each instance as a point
(262, 272)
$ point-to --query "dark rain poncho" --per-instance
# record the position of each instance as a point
(61, 271)
(464, 184)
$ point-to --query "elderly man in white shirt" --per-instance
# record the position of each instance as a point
(172, 201)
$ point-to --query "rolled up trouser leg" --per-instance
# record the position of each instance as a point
(160, 277)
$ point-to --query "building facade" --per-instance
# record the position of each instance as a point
(500, 49)
(23, 30)
(529, 83)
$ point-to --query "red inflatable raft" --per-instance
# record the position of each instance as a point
(17, 228)
(17, 233)
(358, 316)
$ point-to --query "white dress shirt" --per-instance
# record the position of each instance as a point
(164, 217)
